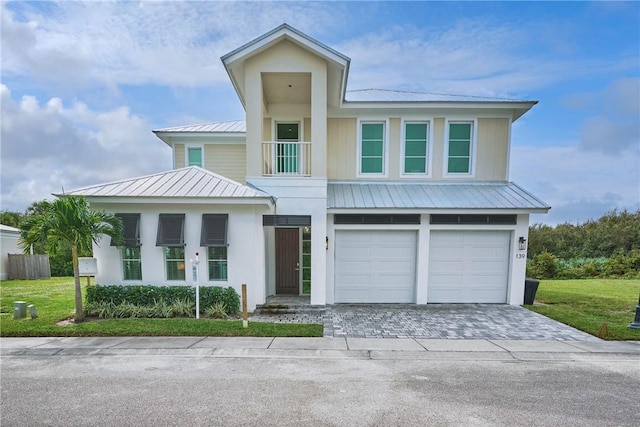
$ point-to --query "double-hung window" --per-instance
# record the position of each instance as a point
(171, 237)
(214, 237)
(194, 156)
(416, 148)
(130, 251)
(372, 148)
(460, 147)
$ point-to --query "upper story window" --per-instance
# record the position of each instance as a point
(460, 148)
(287, 155)
(372, 148)
(194, 156)
(416, 148)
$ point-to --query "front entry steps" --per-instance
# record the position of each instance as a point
(289, 304)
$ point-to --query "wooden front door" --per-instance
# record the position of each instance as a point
(287, 261)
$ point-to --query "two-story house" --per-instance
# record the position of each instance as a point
(367, 196)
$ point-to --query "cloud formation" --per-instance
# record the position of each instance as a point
(48, 148)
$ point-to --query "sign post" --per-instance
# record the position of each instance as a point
(194, 271)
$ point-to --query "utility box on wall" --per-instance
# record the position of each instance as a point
(87, 266)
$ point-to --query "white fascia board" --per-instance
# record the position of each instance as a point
(447, 105)
(214, 137)
(457, 211)
(267, 200)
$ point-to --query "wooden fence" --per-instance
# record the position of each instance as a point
(27, 267)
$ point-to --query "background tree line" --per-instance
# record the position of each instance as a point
(606, 247)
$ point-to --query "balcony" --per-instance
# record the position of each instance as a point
(291, 158)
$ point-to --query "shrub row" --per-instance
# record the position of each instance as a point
(147, 295)
(547, 266)
(109, 310)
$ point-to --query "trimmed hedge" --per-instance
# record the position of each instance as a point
(147, 295)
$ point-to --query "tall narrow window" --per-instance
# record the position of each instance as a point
(213, 236)
(416, 146)
(372, 148)
(287, 157)
(194, 156)
(459, 155)
(306, 260)
(171, 236)
(130, 251)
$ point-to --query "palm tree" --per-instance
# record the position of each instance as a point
(69, 220)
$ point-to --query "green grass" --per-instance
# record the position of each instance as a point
(54, 302)
(591, 303)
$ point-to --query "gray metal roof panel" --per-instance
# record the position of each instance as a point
(235, 126)
(384, 95)
(430, 195)
(189, 182)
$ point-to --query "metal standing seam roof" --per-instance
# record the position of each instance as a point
(235, 126)
(384, 95)
(436, 195)
(188, 182)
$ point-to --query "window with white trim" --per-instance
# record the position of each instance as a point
(460, 147)
(194, 156)
(171, 236)
(213, 236)
(130, 251)
(416, 148)
(372, 148)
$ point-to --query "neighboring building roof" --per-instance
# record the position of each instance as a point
(189, 182)
(235, 126)
(6, 228)
(436, 195)
(385, 95)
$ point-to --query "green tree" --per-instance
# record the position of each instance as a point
(69, 221)
(12, 219)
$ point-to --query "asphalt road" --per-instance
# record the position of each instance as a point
(159, 390)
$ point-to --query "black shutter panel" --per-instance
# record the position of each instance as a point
(170, 230)
(214, 230)
(131, 228)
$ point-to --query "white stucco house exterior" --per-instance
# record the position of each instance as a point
(9, 237)
(369, 196)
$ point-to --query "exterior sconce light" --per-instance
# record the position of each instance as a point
(326, 243)
(522, 243)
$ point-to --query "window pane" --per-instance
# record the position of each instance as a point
(131, 263)
(459, 148)
(217, 258)
(372, 165)
(372, 131)
(174, 257)
(195, 156)
(460, 131)
(372, 148)
(416, 131)
(414, 165)
(415, 148)
(459, 165)
(287, 132)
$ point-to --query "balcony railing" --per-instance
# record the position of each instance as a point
(281, 158)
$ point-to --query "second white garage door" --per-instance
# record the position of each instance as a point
(375, 266)
(468, 266)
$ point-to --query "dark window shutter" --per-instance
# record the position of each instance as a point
(286, 220)
(170, 230)
(376, 219)
(131, 226)
(214, 230)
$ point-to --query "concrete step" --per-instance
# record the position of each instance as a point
(273, 308)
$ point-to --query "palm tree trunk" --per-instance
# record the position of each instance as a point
(76, 277)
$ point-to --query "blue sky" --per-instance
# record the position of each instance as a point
(84, 83)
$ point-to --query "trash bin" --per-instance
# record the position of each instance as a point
(530, 289)
(19, 309)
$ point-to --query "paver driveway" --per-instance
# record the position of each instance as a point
(452, 321)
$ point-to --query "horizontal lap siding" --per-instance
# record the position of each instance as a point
(341, 148)
(228, 160)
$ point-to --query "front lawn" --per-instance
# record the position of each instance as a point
(591, 303)
(54, 301)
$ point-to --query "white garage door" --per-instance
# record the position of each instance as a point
(375, 266)
(468, 266)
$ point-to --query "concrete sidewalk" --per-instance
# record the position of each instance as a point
(360, 348)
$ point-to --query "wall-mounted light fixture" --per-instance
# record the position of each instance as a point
(326, 243)
(522, 243)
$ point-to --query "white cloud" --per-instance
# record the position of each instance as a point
(46, 148)
(578, 184)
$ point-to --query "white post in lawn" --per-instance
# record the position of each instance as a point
(194, 270)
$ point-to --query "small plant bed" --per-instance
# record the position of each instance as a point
(596, 306)
(54, 301)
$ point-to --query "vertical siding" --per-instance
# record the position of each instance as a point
(228, 160)
(179, 155)
(438, 148)
(341, 148)
(266, 130)
(307, 129)
(394, 148)
(491, 150)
